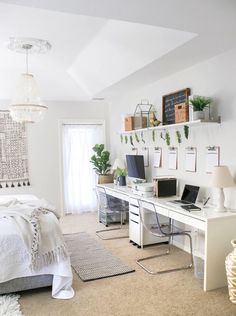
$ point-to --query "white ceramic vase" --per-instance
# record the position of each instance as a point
(230, 265)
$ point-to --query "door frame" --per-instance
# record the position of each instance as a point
(62, 122)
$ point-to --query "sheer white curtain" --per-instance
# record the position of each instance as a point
(79, 177)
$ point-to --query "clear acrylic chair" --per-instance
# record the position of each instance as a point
(111, 209)
(162, 230)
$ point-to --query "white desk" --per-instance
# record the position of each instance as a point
(219, 229)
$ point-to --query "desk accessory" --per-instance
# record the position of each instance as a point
(212, 158)
(157, 157)
(221, 178)
(164, 186)
(142, 114)
(207, 200)
(191, 159)
(172, 158)
(191, 207)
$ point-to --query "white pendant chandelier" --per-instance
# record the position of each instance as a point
(27, 105)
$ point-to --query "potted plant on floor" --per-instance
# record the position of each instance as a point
(121, 174)
(199, 103)
(101, 163)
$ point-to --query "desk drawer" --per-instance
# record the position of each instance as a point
(118, 195)
(134, 209)
(134, 232)
(160, 210)
(185, 219)
(134, 217)
(133, 201)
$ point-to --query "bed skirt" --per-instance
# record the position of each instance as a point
(26, 283)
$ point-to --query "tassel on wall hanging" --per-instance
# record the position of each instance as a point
(13, 152)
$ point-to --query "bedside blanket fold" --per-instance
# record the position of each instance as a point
(40, 232)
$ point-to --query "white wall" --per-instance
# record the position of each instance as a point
(216, 78)
(43, 146)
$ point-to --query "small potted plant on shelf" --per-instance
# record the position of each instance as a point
(121, 175)
(199, 103)
(101, 163)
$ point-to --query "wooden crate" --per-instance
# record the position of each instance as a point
(129, 123)
(140, 122)
(181, 113)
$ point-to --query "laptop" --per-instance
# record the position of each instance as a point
(189, 195)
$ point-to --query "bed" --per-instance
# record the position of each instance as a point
(16, 274)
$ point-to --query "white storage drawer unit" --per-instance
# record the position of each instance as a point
(137, 233)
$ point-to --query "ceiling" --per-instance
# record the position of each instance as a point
(106, 47)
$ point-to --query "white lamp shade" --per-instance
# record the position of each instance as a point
(221, 177)
(27, 105)
(119, 163)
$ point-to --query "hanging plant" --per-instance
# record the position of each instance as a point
(136, 137)
(186, 131)
(126, 139)
(142, 138)
(162, 137)
(178, 136)
(131, 140)
(167, 138)
(121, 138)
(153, 135)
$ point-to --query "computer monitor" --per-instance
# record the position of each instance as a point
(135, 166)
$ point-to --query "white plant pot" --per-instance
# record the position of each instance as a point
(198, 115)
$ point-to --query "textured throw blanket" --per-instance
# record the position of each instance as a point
(39, 229)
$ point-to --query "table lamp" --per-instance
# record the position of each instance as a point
(119, 163)
(221, 178)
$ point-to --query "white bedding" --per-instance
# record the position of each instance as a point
(14, 261)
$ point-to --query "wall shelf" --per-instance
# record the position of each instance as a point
(166, 127)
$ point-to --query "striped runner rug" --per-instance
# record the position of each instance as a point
(91, 260)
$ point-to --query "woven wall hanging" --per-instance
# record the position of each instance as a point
(13, 152)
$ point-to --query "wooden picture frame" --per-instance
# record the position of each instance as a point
(168, 104)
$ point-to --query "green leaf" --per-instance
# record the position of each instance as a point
(167, 138)
(186, 131)
(136, 137)
(153, 135)
(126, 139)
(100, 159)
(131, 140)
(142, 138)
(161, 136)
(121, 138)
(199, 102)
(178, 136)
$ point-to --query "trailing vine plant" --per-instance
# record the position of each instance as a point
(178, 136)
(131, 140)
(153, 135)
(142, 139)
(167, 138)
(136, 137)
(186, 131)
(162, 137)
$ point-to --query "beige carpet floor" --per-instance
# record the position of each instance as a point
(134, 294)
